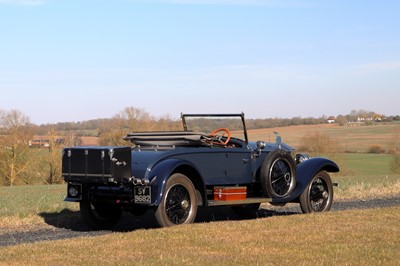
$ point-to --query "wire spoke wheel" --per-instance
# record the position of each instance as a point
(281, 177)
(318, 195)
(179, 202)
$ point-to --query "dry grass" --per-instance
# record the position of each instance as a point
(366, 191)
(366, 187)
(358, 237)
(15, 221)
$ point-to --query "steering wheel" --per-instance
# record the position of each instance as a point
(226, 133)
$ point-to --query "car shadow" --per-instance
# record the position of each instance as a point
(71, 220)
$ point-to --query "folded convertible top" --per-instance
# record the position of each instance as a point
(166, 138)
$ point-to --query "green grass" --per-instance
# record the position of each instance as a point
(367, 164)
(24, 201)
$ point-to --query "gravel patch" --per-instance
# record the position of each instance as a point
(56, 228)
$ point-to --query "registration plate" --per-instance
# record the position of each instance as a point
(142, 194)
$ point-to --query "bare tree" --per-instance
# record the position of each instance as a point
(53, 159)
(132, 119)
(14, 146)
(167, 123)
(341, 120)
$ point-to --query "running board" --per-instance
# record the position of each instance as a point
(238, 202)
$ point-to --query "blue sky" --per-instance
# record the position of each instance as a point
(69, 60)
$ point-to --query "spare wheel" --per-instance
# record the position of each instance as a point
(278, 174)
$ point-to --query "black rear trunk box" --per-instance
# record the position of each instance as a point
(96, 164)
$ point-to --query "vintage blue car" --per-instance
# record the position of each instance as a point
(174, 172)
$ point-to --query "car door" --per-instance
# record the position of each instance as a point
(238, 165)
(211, 164)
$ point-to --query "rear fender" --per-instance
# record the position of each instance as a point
(305, 172)
(159, 174)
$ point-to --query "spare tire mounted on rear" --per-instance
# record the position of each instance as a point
(278, 174)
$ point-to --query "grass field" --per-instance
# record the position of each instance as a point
(24, 201)
(367, 164)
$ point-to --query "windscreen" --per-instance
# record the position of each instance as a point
(209, 123)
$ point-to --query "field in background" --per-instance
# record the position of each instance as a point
(366, 164)
(356, 138)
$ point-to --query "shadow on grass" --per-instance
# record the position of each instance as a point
(71, 220)
(68, 219)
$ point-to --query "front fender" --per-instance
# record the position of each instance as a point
(159, 174)
(304, 173)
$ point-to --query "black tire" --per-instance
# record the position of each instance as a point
(318, 195)
(179, 202)
(99, 216)
(246, 211)
(278, 174)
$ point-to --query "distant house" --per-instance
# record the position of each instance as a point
(45, 143)
(375, 117)
(38, 143)
(331, 119)
(364, 119)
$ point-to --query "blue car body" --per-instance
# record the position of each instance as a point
(217, 166)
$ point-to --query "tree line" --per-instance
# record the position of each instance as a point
(94, 126)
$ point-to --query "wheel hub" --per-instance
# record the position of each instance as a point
(185, 204)
(287, 178)
(325, 195)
